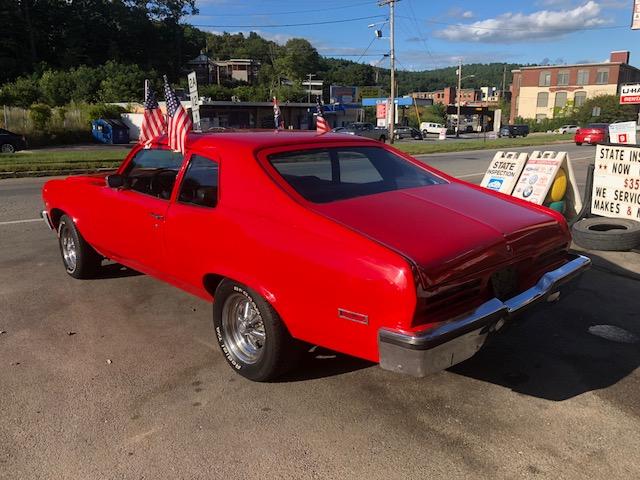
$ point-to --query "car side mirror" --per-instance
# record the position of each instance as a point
(115, 181)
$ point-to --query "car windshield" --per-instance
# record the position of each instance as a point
(330, 174)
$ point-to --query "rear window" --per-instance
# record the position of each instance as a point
(330, 174)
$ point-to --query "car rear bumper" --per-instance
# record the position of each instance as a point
(450, 343)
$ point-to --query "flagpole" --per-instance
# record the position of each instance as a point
(146, 89)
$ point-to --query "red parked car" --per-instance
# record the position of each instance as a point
(331, 240)
(592, 134)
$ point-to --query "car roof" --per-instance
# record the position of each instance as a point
(259, 139)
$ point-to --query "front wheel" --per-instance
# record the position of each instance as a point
(7, 148)
(578, 143)
(79, 258)
(251, 334)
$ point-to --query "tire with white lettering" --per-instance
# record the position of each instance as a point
(603, 233)
(252, 336)
(79, 258)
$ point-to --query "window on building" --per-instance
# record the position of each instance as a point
(579, 99)
(543, 99)
(540, 117)
(602, 76)
(561, 100)
(545, 79)
(563, 77)
(583, 77)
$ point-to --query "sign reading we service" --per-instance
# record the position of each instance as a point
(504, 171)
(616, 182)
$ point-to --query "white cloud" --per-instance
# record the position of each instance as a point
(519, 27)
(457, 12)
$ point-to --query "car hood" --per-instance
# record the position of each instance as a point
(449, 230)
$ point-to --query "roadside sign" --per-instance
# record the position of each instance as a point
(635, 19)
(538, 176)
(630, 94)
(193, 96)
(504, 171)
(623, 132)
(616, 182)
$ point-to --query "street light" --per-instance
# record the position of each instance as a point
(460, 78)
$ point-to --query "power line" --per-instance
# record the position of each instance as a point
(250, 14)
(373, 39)
(290, 24)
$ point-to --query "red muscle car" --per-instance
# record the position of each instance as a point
(331, 240)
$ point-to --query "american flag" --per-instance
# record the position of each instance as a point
(276, 112)
(153, 123)
(322, 126)
(178, 121)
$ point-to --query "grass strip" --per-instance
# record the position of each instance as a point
(443, 146)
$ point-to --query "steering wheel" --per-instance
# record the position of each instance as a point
(155, 187)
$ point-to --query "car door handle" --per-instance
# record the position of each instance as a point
(157, 216)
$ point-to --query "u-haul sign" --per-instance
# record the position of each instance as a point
(630, 94)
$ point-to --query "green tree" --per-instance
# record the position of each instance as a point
(21, 93)
(122, 83)
(56, 87)
(610, 110)
(102, 110)
(299, 60)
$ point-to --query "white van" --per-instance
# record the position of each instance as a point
(428, 127)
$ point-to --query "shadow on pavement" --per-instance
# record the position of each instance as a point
(552, 354)
(115, 270)
(319, 362)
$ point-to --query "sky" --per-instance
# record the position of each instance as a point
(432, 34)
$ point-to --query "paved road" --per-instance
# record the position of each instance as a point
(547, 399)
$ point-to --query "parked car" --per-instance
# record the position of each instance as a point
(362, 129)
(430, 127)
(567, 129)
(330, 240)
(513, 131)
(11, 142)
(407, 132)
(592, 134)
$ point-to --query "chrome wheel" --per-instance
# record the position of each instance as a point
(69, 249)
(7, 148)
(243, 328)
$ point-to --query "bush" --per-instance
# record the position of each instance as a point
(40, 115)
(102, 110)
(21, 93)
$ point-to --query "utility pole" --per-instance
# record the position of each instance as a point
(458, 97)
(392, 55)
(310, 75)
(504, 81)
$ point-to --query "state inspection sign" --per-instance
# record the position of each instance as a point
(630, 94)
(504, 171)
(616, 182)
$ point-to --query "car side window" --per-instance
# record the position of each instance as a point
(200, 183)
(153, 172)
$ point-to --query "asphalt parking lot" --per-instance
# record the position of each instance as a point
(120, 378)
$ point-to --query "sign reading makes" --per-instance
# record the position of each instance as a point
(630, 94)
(504, 171)
(616, 182)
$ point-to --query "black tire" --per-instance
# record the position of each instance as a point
(383, 139)
(87, 261)
(578, 144)
(7, 148)
(425, 133)
(279, 350)
(609, 234)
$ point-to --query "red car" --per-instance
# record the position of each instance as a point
(331, 240)
(592, 134)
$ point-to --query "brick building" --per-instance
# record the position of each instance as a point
(447, 96)
(547, 91)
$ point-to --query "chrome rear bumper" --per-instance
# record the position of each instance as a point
(452, 342)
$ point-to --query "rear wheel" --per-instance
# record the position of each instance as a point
(251, 334)
(578, 143)
(79, 258)
(7, 148)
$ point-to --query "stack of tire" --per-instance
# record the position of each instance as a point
(598, 233)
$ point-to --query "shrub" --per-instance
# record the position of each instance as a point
(40, 115)
(102, 110)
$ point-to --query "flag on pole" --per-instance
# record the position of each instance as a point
(276, 113)
(322, 126)
(178, 121)
(153, 123)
